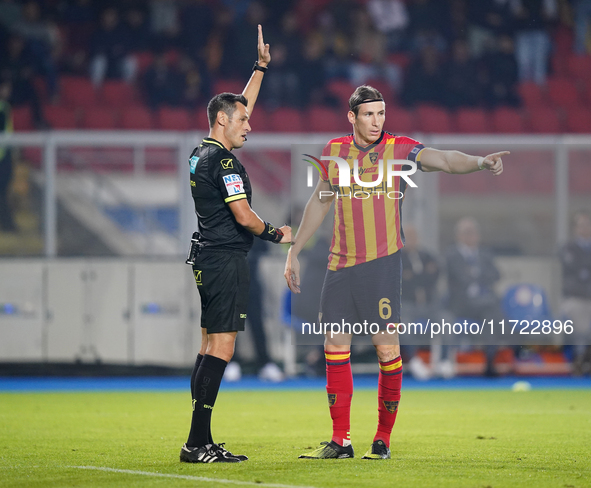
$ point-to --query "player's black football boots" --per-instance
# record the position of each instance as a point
(240, 457)
(329, 450)
(378, 450)
(210, 453)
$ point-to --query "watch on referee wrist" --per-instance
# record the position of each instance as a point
(256, 67)
(271, 234)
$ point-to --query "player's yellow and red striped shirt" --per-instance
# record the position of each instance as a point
(368, 227)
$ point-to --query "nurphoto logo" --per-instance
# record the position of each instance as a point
(382, 185)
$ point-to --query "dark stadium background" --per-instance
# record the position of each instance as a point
(108, 97)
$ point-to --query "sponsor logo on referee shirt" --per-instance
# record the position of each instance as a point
(234, 184)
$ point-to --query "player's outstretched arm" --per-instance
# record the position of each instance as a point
(456, 162)
(251, 91)
(314, 213)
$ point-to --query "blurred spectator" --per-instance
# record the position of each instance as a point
(582, 25)
(283, 88)
(164, 16)
(196, 22)
(532, 22)
(424, 81)
(420, 272)
(10, 12)
(429, 24)
(462, 84)
(18, 67)
(471, 276)
(370, 50)
(110, 50)
(42, 39)
(139, 29)
(390, 18)
(196, 89)
(501, 69)
(487, 19)
(78, 17)
(576, 290)
(6, 220)
(162, 83)
(313, 75)
(243, 49)
(219, 45)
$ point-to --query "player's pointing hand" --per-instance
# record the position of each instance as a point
(264, 54)
(494, 163)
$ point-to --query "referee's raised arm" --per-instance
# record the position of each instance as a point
(251, 90)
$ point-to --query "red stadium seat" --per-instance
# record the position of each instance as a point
(563, 92)
(77, 91)
(199, 120)
(173, 119)
(60, 117)
(99, 118)
(472, 121)
(507, 121)
(323, 119)
(579, 67)
(384, 88)
(118, 94)
(259, 120)
(342, 90)
(433, 119)
(400, 120)
(137, 118)
(231, 86)
(531, 94)
(578, 120)
(143, 59)
(287, 120)
(544, 120)
(22, 119)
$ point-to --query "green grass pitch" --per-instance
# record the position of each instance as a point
(442, 438)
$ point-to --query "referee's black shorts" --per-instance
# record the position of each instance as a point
(368, 291)
(222, 278)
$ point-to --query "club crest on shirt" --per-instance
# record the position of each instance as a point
(373, 157)
(227, 163)
(332, 399)
(391, 406)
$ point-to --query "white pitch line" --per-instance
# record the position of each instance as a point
(187, 477)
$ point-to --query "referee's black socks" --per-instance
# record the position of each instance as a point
(205, 387)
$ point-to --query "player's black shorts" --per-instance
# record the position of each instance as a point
(368, 291)
(222, 279)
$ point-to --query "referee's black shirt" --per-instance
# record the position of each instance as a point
(218, 178)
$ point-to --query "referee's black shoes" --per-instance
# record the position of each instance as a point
(210, 453)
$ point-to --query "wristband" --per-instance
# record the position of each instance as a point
(256, 67)
(271, 234)
(480, 162)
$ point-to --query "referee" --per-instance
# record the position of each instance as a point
(222, 193)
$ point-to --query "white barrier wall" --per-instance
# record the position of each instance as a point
(112, 311)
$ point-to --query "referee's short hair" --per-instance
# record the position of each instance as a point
(224, 102)
(363, 92)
